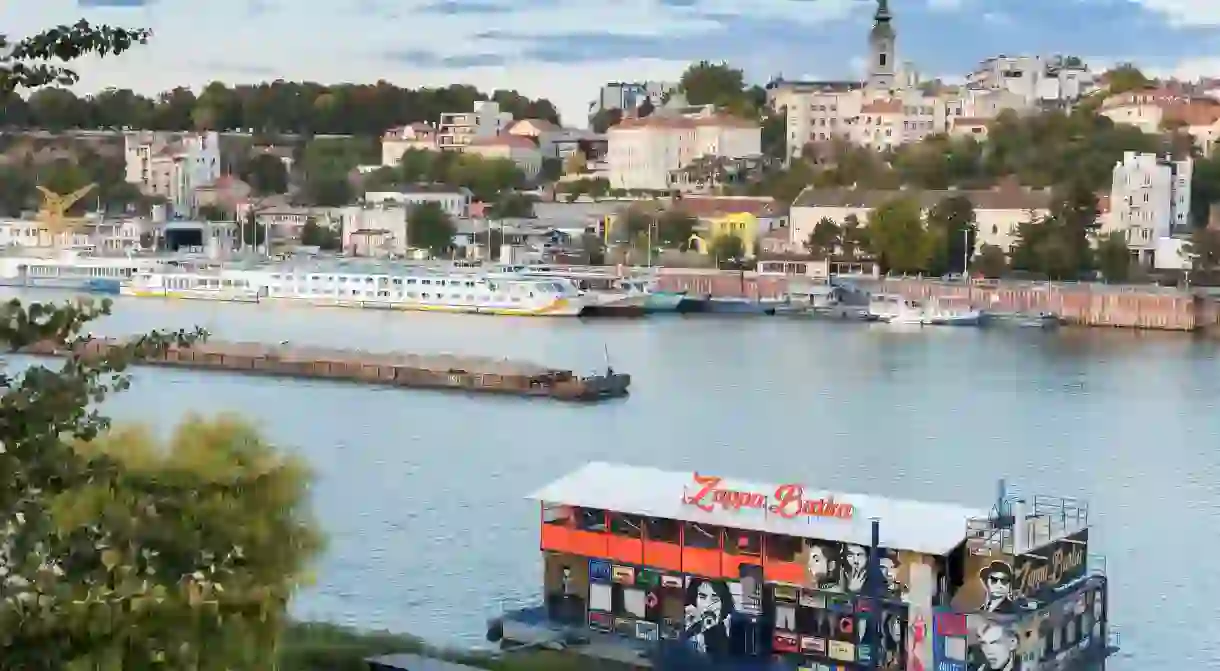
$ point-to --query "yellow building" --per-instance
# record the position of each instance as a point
(746, 218)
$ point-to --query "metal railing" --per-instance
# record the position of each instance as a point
(1047, 519)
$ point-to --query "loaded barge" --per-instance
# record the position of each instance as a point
(652, 568)
(426, 371)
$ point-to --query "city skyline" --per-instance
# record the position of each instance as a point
(544, 48)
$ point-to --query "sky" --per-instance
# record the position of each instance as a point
(565, 49)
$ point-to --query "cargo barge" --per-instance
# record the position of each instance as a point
(424, 371)
(669, 567)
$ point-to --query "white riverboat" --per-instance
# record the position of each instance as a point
(74, 270)
(894, 309)
(387, 287)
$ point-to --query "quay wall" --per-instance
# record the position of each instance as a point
(1156, 308)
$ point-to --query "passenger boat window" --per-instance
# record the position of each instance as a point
(663, 530)
(591, 519)
(703, 536)
(630, 526)
(741, 542)
(556, 514)
(783, 548)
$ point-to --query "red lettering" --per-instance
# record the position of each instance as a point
(708, 484)
(789, 500)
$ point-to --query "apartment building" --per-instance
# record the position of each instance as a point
(1035, 79)
(456, 130)
(454, 201)
(630, 95)
(648, 153)
(522, 151)
(1149, 200)
(173, 165)
(398, 140)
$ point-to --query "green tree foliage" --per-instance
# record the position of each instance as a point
(1204, 189)
(853, 237)
(953, 231)
(430, 227)
(675, 227)
(1114, 258)
(211, 212)
(35, 61)
(512, 205)
(266, 174)
(489, 179)
(552, 170)
(323, 237)
(719, 84)
(898, 238)
(825, 238)
(727, 249)
(602, 120)
(991, 262)
(1203, 250)
(123, 553)
(278, 107)
(1126, 77)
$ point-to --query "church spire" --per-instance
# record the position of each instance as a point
(881, 21)
(883, 11)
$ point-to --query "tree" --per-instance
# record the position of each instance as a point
(328, 190)
(1113, 257)
(602, 120)
(322, 237)
(675, 227)
(633, 224)
(113, 543)
(32, 62)
(645, 109)
(898, 238)
(552, 170)
(728, 249)
(951, 223)
(266, 174)
(824, 239)
(853, 237)
(251, 232)
(1203, 250)
(1126, 77)
(593, 249)
(430, 227)
(210, 212)
(512, 206)
(707, 83)
(416, 165)
(990, 262)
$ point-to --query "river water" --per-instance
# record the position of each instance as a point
(421, 492)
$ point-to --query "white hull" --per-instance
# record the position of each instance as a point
(558, 308)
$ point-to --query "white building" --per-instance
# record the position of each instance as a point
(520, 150)
(1149, 200)
(630, 95)
(458, 129)
(998, 211)
(645, 153)
(173, 165)
(397, 141)
(1035, 79)
(111, 235)
(455, 202)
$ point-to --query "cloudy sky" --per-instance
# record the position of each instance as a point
(564, 49)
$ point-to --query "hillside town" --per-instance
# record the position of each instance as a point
(704, 171)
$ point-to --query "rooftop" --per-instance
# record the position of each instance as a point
(931, 528)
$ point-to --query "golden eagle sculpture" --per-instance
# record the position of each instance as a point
(53, 213)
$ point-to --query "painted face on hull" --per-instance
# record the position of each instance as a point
(820, 565)
(997, 645)
(857, 558)
(707, 602)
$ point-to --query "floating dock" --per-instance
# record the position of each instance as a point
(394, 369)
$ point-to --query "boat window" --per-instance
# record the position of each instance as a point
(783, 548)
(704, 536)
(742, 542)
(663, 530)
(630, 526)
(591, 519)
(556, 514)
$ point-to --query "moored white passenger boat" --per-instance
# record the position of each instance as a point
(385, 287)
(72, 270)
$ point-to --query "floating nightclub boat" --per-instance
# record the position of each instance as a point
(638, 561)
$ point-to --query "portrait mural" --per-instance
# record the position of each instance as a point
(854, 568)
(843, 567)
(708, 616)
(987, 586)
(1053, 638)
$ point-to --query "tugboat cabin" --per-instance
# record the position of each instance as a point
(801, 578)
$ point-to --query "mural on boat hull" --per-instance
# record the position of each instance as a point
(566, 584)
(988, 584)
(854, 568)
(843, 567)
(708, 616)
(1054, 638)
(822, 562)
(1040, 572)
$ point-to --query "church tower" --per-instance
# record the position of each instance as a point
(883, 65)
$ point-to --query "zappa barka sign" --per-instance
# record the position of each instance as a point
(787, 501)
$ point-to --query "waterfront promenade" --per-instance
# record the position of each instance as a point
(1081, 304)
(422, 494)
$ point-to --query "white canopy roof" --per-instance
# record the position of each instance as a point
(929, 528)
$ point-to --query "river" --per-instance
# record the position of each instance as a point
(421, 492)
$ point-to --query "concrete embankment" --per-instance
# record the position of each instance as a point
(1138, 307)
(426, 371)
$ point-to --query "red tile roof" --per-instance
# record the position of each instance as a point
(515, 141)
(882, 107)
(719, 206)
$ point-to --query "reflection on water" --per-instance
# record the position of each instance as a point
(422, 492)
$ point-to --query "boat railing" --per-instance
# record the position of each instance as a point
(1047, 519)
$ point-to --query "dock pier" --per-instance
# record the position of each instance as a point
(393, 369)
